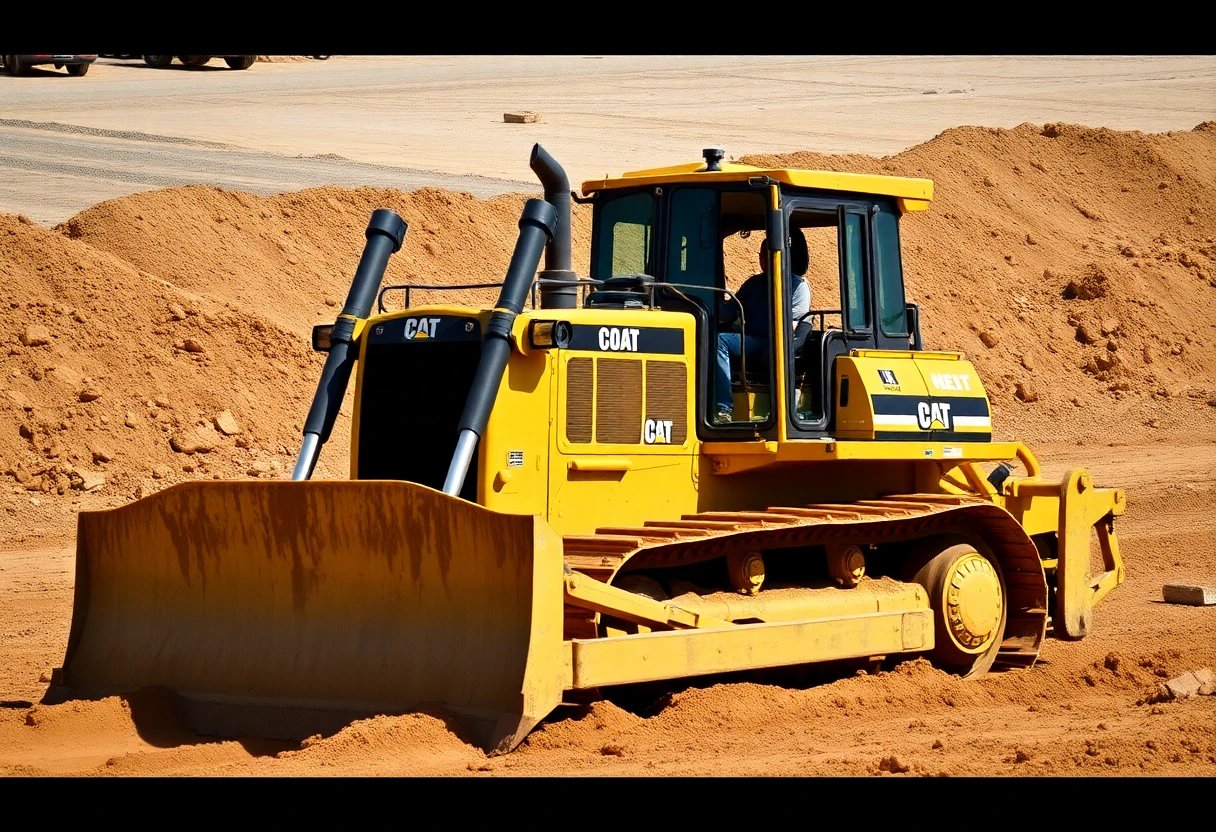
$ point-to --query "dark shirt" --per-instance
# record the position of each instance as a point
(753, 297)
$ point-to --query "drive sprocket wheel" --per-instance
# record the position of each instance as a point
(969, 602)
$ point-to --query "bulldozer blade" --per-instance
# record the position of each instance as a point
(288, 608)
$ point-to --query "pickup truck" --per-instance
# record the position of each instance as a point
(75, 64)
(233, 61)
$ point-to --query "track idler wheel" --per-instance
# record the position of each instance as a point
(968, 598)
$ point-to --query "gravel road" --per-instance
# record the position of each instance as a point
(407, 121)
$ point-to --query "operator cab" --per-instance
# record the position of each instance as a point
(686, 238)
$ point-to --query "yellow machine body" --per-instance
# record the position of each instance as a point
(607, 533)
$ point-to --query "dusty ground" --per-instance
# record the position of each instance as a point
(137, 349)
(409, 121)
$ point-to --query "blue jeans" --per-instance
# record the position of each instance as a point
(728, 357)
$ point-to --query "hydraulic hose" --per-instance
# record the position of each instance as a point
(535, 230)
(385, 234)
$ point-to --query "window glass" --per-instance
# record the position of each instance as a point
(692, 253)
(625, 228)
(856, 303)
(893, 317)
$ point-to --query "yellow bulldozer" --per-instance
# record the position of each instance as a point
(544, 505)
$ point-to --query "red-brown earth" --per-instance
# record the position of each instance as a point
(164, 337)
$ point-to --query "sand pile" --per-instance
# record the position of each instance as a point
(165, 336)
(1075, 266)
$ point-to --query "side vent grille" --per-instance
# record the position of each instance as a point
(666, 390)
(605, 402)
(580, 380)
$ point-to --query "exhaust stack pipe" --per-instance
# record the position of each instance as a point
(385, 234)
(558, 250)
(535, 231)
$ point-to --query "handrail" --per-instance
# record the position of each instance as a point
(405, 288)
(584, 282)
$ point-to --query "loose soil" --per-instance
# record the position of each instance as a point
(164, 337)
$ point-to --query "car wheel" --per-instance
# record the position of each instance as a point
(240, 61)
(158, 61)
(78, 69)
(13, 65)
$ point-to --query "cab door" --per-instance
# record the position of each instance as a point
(841, 308)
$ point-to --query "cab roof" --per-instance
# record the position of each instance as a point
(913, 193)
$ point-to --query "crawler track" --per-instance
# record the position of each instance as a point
(892, 519)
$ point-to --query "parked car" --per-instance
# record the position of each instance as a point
(233, 61)
(75, 64)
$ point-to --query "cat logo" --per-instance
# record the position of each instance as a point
(657, 432)
(888, 377)
(421, 328)
(933, 415)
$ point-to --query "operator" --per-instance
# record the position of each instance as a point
(753, 298)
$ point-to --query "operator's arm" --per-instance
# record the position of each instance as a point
(730, 311)
(801, 303)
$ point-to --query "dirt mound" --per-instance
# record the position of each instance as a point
(165, 335)
(118, 382)
(1075, 266)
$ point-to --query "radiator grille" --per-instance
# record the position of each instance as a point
(614, 386)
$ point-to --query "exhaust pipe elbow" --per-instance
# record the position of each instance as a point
(558, 257)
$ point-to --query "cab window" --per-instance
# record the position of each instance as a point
(893, 317)
(626, 234)
(856, 300)
(692, 250)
